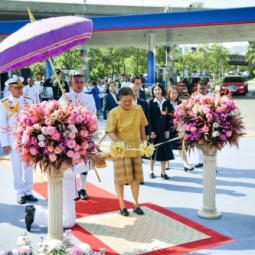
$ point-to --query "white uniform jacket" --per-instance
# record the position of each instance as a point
(10, 107)
(32, 92)
(86, 100)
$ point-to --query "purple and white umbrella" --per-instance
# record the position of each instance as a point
(42, 39)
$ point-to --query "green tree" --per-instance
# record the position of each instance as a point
(38, 68)
(250, 58)
(68, 60)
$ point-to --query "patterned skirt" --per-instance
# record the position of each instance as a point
(126, 170)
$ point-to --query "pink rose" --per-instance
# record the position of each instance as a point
(193, 129)
(48, 122)
(50, 148)
(79, 119)
(77, 161)
(71, 143)
(25, 138)
(186, 137)
(84, 145)
(76, 155)
(229, 133)
(206, 110)
(83, 152)
(209, 116)
(72, 135)
(33, 151)
(76, 147)
(83, 133)
(52, 157)
(51, 130)
(56, 136)
(93, 127)
(218, 110)
(70, 154)
(57, 150)
(205, 129)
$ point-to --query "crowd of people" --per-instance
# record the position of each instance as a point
(130, 118)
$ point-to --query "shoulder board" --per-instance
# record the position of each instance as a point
(27, 97)
(4, 99)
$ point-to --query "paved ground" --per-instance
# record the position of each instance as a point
(181, 194)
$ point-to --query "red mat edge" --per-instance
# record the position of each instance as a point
(215, 239)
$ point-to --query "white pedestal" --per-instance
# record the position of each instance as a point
(55, 206)
(209, 210)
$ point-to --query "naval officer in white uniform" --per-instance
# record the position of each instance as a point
(75, 95)
(32, 91)
(39, 215)
(10, 107)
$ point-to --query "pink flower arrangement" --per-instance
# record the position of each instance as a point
(214, 121)
(51, 134)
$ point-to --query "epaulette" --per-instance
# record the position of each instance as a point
(4, 99)
(27, 97)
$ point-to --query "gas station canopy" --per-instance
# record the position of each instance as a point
(190, 27)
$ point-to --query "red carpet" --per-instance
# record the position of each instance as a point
(101, 201)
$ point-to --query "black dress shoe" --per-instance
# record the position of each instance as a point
(188, 169)
(138, 210)
(141, 183)
(152, 175)
(167, 168)
(21, 200)
(124, 212)
(29, 218)
(31, 198)
(126, 184)
(199, 165)
(164, 176)
(83, 194)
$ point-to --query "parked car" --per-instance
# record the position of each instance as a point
(234, 84)
(182, 88)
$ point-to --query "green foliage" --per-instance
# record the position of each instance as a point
(38, 68)
(68, 60)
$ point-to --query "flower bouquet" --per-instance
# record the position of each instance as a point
(209, 122)
(51, 246)
(52, 135)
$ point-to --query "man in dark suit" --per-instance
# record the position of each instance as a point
(52, 83)
(138, 82)
(144, 105)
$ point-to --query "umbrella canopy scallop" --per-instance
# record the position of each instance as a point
(41, 39)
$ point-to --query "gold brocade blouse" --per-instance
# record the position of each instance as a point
(125, 124)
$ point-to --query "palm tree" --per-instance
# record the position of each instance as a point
(250, 55)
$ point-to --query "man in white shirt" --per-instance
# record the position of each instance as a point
(32, 91)
(10, 107)
(202, 90)
(125, 82)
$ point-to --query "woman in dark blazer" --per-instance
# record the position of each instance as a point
(174, 97)
(159, 109)
(110, 101)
